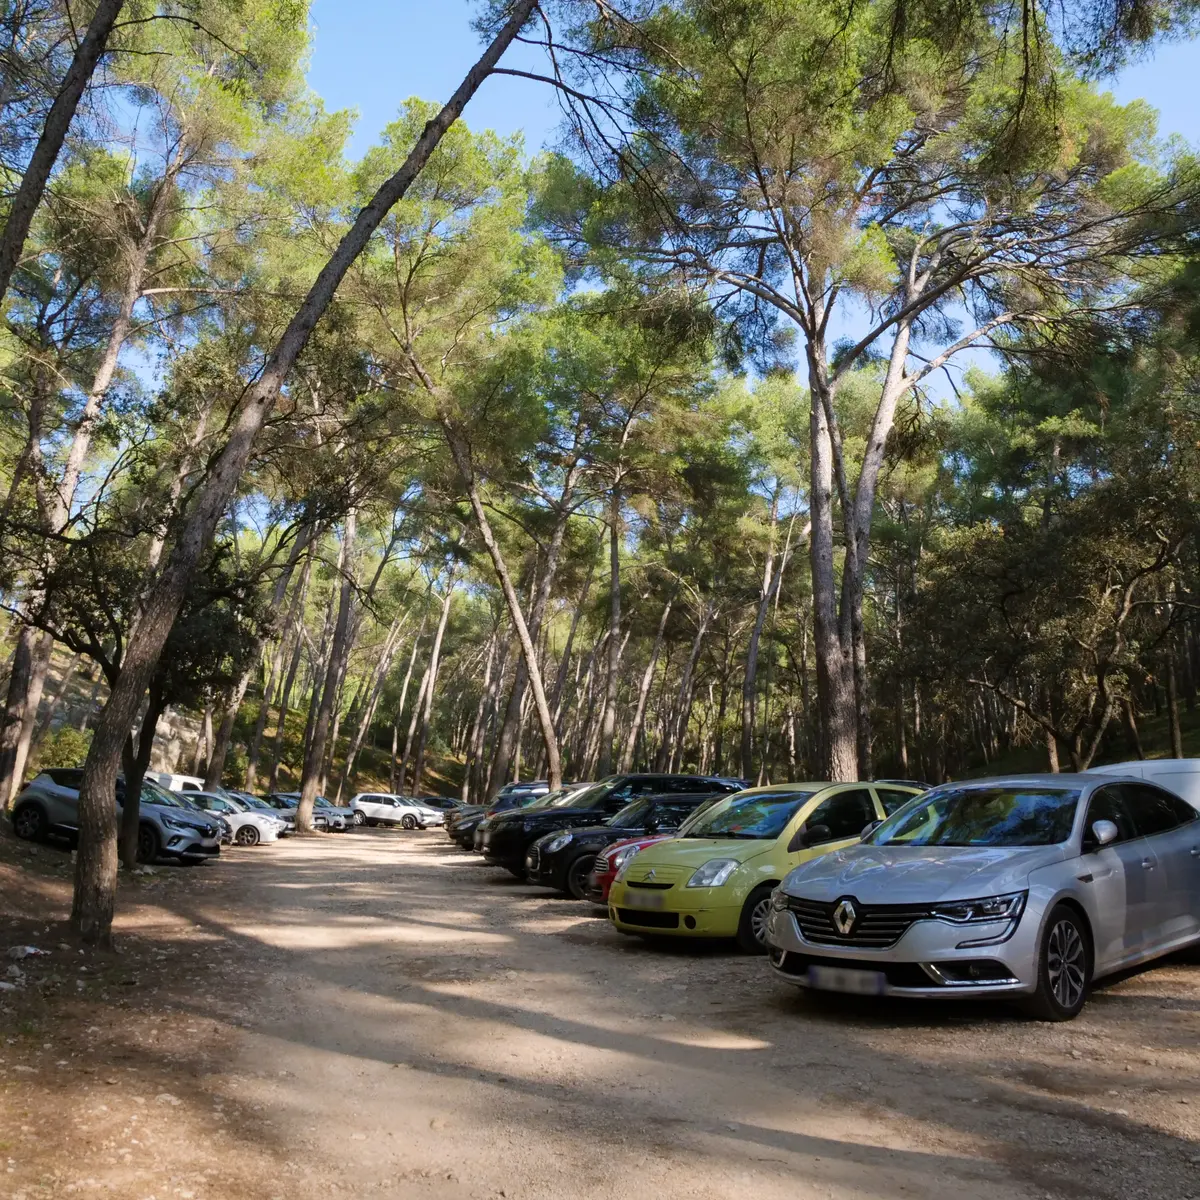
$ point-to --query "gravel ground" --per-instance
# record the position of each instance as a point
(379, 1014)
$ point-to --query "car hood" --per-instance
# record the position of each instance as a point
(183, 816)
(918, 874)
(695, 852)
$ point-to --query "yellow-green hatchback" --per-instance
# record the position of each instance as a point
(715, 878)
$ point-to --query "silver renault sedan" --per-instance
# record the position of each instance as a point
(1029, 887)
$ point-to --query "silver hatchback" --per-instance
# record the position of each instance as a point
(1028, 887)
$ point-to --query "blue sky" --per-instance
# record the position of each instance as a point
(372, 54)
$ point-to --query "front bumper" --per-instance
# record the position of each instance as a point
(504, 847)
(677, 911)
(185, 845)
(545, 870)
(927, 962)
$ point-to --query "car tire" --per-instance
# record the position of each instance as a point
(359, 818)
(408, 822)
(1064, 967)
(149, 845)
(29, 822)
(578, 871)
(518, 873)
(247, 835)
(752, 925)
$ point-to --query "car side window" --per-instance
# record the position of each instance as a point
(892, 798)
(1155, 811)
(1109, 805)
(845, 815)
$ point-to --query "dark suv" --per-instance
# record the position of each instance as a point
(509, 835)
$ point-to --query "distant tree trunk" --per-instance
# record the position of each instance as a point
(15, 754)
(314, 752)
(639, 715)
(556, 702)
(462, 461)
(203, 742)
(396, 779)
(135, 765)
(608, 720)
(1135, 739)
(28, 195)
(474, 751)
(68, 677)
(678, 726)
(418, 708)
(435, 654)
(368, 712)
(750, 679)
(1173, 709)
(719, 730)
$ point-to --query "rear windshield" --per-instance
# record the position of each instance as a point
(982, 816)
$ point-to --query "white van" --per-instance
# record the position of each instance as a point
(176, 783)
(1179, 775)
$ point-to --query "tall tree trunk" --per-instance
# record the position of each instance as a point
(835, 666)
(1173, 708)
(639, 715)
(30, 666)
(608, 720)
(285, 695)
(435, 654)
(678, 728)
(396, 781)
(96, 863)
(462, 461)
(29, 192)
(314, 751)
(474, 749)
(414, 718)
(750, 679)
(719, 730)
(560, 683)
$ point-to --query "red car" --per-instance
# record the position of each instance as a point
(610, 860)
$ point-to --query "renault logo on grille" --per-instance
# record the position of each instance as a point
(844, 916)
(650, 874)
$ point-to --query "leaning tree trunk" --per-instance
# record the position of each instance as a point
(462, 461)
(435, 654)
(639, 716)
(608, 720)
(96, 864)
(24, 203)
(314, 752)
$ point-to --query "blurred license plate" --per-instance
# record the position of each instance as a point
(843, 979)
(636, 899)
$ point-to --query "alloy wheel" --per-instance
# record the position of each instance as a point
(27, 823)
(1066, 963)
(359, 819)
(759, 916)
(247, 835)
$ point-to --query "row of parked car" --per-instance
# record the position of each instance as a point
(179, 819)
(1026, 887)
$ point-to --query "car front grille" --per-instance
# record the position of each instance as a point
(875, 925)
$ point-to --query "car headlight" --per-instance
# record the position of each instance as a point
(557, 843)
(171, 823)
(714, 872)
(622, 856)
(989, 908)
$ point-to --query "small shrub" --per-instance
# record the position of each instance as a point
(62, 747)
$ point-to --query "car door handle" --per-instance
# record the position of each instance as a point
(1148, 864)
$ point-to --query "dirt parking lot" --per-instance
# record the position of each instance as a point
(379, 1014)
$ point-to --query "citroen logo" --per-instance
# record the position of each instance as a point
(844, 916)
(649, 874)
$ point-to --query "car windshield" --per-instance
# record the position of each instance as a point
(153, 794)
(634, 814)
(697, 813)
(756, 815)
(1010, 815)
(589, 797)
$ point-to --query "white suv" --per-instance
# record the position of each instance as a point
(383, 808)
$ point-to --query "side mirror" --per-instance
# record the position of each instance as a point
(1103, 834)
(810, 835)
(652, 825)
(869, 829)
